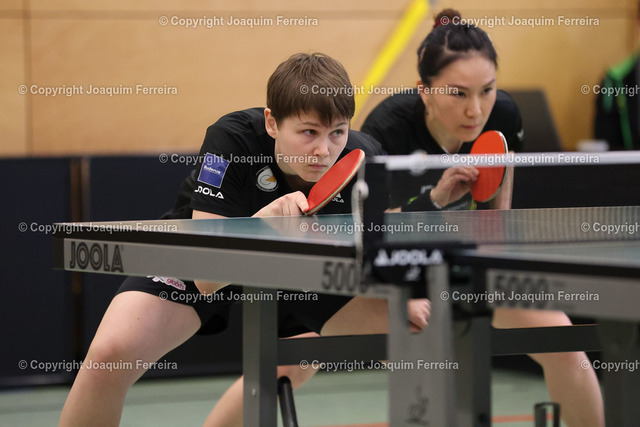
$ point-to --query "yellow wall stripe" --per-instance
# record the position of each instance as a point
(396, 44)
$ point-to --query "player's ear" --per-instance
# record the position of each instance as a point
(422, 91)
(270, 123)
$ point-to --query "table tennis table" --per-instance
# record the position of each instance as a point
(584, 261)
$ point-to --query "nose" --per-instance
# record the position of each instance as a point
(473, 107)
(322, 147)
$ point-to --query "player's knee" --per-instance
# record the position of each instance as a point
(111, 359)
(296, 374)
(571, 361)
(110, 366)
(103, 350)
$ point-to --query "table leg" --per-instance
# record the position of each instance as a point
(259, 358)
(621, 382)
(421, 383)
(473, 377)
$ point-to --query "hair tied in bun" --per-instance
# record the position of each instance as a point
(446, 17)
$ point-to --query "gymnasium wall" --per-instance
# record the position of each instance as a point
(205, 72)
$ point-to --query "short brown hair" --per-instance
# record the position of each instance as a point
(311, 83)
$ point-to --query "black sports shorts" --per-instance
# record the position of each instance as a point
(298, 312)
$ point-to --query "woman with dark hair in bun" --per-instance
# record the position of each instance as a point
(457, 100)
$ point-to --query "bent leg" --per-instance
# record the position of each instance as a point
(137, 327)
(228, 410)
(576, 389)
(360, 316)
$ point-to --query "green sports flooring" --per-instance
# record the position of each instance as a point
(329, 399)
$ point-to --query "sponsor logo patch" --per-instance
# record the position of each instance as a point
(213, 170)
(178, 284)
(266, 180)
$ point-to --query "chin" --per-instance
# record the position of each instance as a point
(467, 136)
(313, 177)
(309, 176)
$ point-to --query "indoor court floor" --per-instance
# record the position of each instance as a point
(330, 399)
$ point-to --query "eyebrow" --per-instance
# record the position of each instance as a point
(320, 125)
(466, 88)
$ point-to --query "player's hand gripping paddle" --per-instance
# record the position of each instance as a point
(334, 180)
(490, 179)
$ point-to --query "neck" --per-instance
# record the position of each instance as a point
(448, 143)
(298, 184)
(292, 179)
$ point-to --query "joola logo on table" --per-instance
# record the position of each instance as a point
(100, 258)
(402, 257)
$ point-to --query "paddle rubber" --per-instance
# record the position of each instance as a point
(490, 179)
(334, 180)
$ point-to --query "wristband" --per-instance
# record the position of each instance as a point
(419, 203)
(433, 202)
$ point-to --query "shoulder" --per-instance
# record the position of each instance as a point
(365, 142)
(239, 122)
(396, 122)
(506, 118)
(239, 130)
(505, 107)
(392, 111)
(400, 100)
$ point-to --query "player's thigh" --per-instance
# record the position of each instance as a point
(359, 316)
(296, 374)
(505, 318)
(138, 325)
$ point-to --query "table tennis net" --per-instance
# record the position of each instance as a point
(515, 226)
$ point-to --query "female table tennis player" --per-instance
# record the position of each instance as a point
(281, 152)
(455, 102)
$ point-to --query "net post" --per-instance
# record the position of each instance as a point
(374, 206)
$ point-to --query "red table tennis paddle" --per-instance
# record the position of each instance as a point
(334, 180)
(490, 179)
